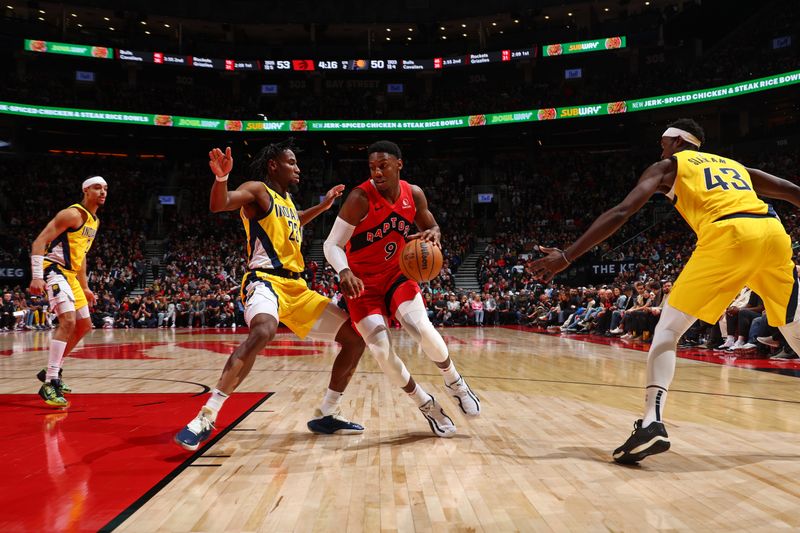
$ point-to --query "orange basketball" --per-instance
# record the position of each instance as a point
(421, 260)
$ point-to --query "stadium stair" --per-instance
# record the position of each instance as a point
(315, 253)
(467, 275)
(152, 250)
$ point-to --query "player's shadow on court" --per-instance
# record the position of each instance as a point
(410, 438)
(290, 441)
(669, 462)
(685, 463)
(136, 441)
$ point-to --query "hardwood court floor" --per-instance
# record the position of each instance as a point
(537, 459)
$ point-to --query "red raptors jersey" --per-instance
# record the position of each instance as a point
(373, 249)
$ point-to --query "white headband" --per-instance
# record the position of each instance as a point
(683, 134)
(94, 180)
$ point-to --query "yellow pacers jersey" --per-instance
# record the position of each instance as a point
(70, 248)
(708, 187)
(274, 241)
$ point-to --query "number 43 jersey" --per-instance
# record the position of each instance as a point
(374, 249)
(274, 240)
(708, 187)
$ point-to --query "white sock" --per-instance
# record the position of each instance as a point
(54, 358)
(655, 399)
(731, 339)
(741, 339)
(216, 400)
(330, 404)
(420, 396)
(450, 374)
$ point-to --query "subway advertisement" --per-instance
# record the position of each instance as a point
(84, 50)
(580, 47)
(552, 113)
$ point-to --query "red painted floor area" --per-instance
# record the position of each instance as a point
(91, 466)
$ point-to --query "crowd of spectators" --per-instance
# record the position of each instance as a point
(546, 198)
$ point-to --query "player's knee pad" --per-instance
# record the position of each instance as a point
(663, 341)
(327, 326)
(661, 357)
(413, 316)
(380, 346)
(671, 325)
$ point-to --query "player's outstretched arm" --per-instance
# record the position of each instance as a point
(606, 224)
(425, 220)
(221, 164)
(771, 186)
(311, 213)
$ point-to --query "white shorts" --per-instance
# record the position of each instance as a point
(261, 299)
(61, 297)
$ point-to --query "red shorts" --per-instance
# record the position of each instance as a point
(382, 298)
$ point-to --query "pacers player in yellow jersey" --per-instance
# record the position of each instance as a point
(58, 265)
(272, 289)
(740, 241)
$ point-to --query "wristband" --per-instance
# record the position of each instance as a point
(564, 255)
(37, 266)
(223, 178)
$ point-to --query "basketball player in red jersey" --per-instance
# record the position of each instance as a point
(373, 224)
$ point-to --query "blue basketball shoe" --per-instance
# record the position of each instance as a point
(333, 424)
(197, 431)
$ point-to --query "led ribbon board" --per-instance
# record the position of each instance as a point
(553, 113)
(202, 62)
(580, 47)
(51, 47)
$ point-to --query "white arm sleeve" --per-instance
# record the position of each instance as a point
(335, 243)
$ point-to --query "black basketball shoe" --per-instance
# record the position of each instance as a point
(643, 442)
(42, 376)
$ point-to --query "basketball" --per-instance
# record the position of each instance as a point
(421, 260)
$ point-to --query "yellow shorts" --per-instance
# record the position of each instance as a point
(734, 253)
(290, 301)
(63, 286)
